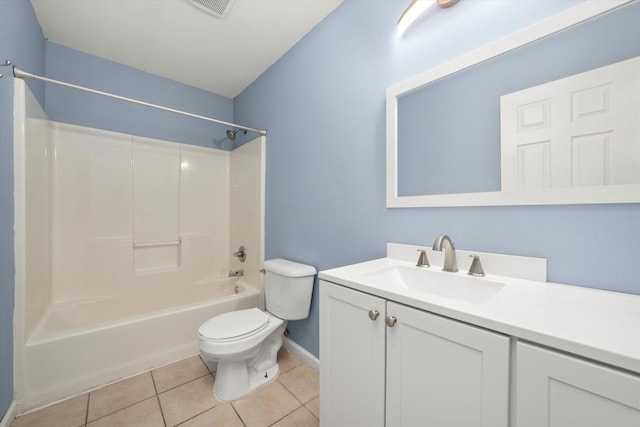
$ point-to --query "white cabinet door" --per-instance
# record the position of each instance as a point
(554, 389)
(441, 372)
(352, 355)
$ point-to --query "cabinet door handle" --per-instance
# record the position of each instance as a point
(373, 314)
(391, 321)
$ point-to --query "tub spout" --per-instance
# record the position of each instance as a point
(236, 273)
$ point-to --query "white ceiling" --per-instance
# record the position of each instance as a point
(174, 39)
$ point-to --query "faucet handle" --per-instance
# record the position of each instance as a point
(422, 259)
(476, 267)
(240, 254)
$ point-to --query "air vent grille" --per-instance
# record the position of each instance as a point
(217, 8)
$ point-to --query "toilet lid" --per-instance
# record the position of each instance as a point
(234, 324)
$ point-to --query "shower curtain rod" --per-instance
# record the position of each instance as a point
(20, 73)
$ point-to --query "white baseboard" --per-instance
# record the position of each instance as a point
(301, 353)
(9, 415)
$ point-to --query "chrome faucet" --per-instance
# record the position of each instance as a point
(450, 263)
(241, 254)
(236, 273)
(423, 261)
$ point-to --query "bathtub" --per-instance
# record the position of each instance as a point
(85, 344)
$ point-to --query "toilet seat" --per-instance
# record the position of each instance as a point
(234, 325)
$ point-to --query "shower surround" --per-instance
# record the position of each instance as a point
(123, 247)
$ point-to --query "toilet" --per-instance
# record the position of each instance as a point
(242, 345)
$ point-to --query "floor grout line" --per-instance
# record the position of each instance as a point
(86, 415)
(290, 392)
(285, 416)
(164, 420)
(153, 380)
(200, 413)
(181, 384)
(238, 414)
(121, 409)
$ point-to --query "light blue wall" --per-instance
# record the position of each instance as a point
(21, 41)
(72, 106)
(323, 104)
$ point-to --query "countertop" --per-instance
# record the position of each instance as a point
(595, 324)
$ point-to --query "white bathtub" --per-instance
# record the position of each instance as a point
(83, 345)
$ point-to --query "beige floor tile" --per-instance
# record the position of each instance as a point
(120, 395)
(302, 381)
(221, 416)
(179, 373)
(301, 417)
(143, 414)
(188, 400)
(266, 405)
(69, 413)
(286, 360)
(314, 406)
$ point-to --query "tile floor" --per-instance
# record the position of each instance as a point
(180, 395)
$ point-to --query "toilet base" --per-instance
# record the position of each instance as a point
(237, 378)
(234, 382)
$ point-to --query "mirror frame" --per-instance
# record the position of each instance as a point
(588, 195)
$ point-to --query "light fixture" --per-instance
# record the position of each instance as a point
(415, 9)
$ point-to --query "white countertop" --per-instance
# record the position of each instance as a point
(596, 324)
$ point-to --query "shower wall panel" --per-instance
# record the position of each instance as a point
(156, 198)
(92, 213)
(38, 216)
(134, 215)
(204, 211)
(247, 193)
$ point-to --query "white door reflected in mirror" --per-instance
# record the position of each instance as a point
(578, 131)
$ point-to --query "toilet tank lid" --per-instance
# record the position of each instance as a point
(287, 268)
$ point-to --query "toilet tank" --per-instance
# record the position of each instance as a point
(287, 288)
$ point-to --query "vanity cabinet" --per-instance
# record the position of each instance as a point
(407, 346)
(386, 364)
(556, 389)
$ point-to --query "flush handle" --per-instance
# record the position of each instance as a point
(373, 314)
(391, 321)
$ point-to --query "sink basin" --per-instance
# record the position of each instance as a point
(457, 286)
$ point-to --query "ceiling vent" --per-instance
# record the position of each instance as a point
(218, 8)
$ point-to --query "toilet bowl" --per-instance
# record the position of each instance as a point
(242, 346)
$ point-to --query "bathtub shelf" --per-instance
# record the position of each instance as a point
(154, 244)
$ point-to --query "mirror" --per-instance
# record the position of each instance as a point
(444, 129)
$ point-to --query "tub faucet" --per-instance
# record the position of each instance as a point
(240, 254)
(450, 263)
(236, 273)
(423, 261)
